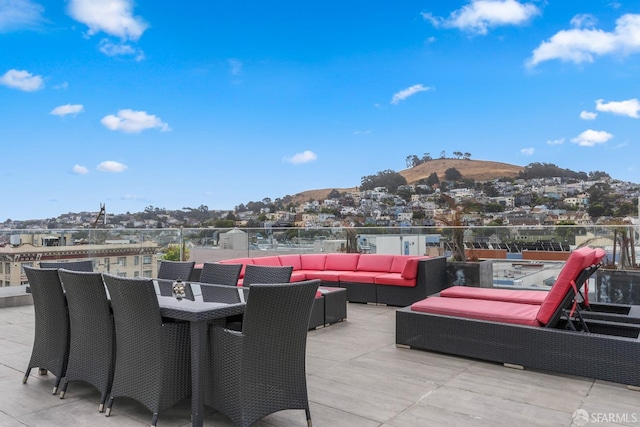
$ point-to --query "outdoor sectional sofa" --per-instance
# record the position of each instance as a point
(542, 333)
(398, 280)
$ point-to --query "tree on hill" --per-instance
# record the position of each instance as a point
(389, 179)
(549, 170)
(452, 174)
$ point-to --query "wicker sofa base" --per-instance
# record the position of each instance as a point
(604, 356)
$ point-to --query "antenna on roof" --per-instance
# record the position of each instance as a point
(101, 214)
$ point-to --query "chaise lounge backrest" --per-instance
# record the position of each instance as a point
(565, 284)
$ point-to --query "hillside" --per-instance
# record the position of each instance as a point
(479, 170)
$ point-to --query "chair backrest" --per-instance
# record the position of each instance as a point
(174, 270)
(275, 327)
(578, 268)
(84, 265)
(220, 274)
(89, 307)
(51, 313)
(136, 312)
(266, 274)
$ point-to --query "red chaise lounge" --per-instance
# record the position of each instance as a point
(525, 333)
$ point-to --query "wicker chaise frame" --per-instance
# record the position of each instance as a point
(599, 356)
(610, 352)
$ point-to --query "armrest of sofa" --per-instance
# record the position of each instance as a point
(432, 275)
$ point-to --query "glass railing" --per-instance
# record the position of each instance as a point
(522, 256)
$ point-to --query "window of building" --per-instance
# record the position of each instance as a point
(136, 274)
(25, 264)
(122, 261)
(7, 268)
(146, 259)
(122, 274)
(146, 273)
(136, 260)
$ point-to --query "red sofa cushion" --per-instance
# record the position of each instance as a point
(271, 261)
(399, 262)
(359, 276)
(375, 262)
(410, 270)
(312, 261)
(493, 311)
(578, 261)
(292, 260)
(298, 276)
(506, 295)
(394, 279)
(341, 262)
(324, 275)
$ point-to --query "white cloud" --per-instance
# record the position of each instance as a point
(528, 151)
(80, 170)
(134, 198)
(114, 17)
(590, 137)
(629, 108)
(558, 141)
(18, 14)
(235, 66)
(588, 115)
(410, 91)
(109, 48)
(64, 110)
(304, 157)
(22, 80)
(581, 45)
(362, 132)
(63, 85)
(111, 166)
(130, 121)
(584, 20)
(480, 15)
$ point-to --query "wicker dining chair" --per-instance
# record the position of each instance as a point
(153, 359)
(83, 265)
(92, 336)
(51, 342)
(262, 369)
(266, 274)
(220, 274)
(174, 270)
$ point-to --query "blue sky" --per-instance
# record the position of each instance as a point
(174, 105)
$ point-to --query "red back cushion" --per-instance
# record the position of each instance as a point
(375, 262)
(578, 261)
(292, 260)
(312, 261)
(398, 263)
(410, 270)
(342, 262)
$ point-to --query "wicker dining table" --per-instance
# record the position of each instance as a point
(227, 301)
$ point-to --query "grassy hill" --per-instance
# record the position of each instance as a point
(479, 170)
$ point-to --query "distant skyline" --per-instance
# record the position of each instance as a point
(174, 105)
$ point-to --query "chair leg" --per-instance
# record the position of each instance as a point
(103, 399)
(26, 376)
(309, 422)
(154, 419)
(109, 405)
(63, 389)
(42, 371)
(56, 385)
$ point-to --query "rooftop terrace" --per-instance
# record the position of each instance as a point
(356, 377)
